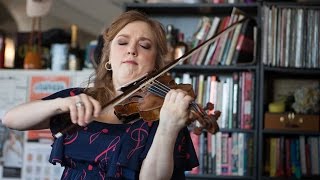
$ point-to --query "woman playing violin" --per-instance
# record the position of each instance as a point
(103, 147)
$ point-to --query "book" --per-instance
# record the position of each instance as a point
(210, 150)
(213, 153)
(225, 154)
(264, 34)
(242, 149)
(213, 29)
(302, 145)
(228, 40)
(234, 154)
(225, 39)
(244, 50)
(294, 155)
(288, 166)
(235, 100)
(215, 59)
(247, 100)
(199, 36)
(313, 142)
(213, 48)
(218, 136)
(273, 157)
(233, 41)
(225, 102)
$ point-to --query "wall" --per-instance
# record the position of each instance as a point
(16, 87)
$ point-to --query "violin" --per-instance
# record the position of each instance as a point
(147, 103)
(132, 90)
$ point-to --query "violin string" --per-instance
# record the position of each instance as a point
(161, 89)
(158, 90)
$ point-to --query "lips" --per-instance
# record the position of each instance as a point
(130, 62)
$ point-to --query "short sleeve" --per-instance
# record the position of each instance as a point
(64, 93)
(185, 154)
(185, 157)
(58, 122)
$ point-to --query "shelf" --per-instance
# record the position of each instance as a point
(237, 130)
(213, 69)
(184, 9)
(208, 176)
(304, 4)
(316, 177)
(288, 132)
(292, 71)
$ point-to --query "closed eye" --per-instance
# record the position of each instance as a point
(122, 43)
(145, 45)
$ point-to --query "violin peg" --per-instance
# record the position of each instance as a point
(209, 106)
(197, 131)
(217, 114)
(214, 129)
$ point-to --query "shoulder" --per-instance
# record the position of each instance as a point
(65, 93)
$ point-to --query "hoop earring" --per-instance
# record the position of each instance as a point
(107, 66)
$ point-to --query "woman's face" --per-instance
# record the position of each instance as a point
(132, 53)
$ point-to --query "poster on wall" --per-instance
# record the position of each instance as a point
(36, 165)
(42, 86)
(11, 153)
(13, 91)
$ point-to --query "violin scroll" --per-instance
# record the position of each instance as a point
(207, 121)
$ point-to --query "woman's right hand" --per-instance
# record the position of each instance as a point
(81, 108)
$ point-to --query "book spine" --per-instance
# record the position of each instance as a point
(218, 153)
(247, 101)
(302, 146)
(234, 155)
(224, 154)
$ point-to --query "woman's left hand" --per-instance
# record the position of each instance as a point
(175, 112)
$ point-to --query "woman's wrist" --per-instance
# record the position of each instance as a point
(168, 131)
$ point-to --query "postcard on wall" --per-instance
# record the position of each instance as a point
(42, 86)
(11, 153)
(13, 91)
(36, 165)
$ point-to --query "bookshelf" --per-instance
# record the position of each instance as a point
(184, 16)
(265, 73)
(296, 68)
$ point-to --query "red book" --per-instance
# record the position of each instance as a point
(308, 160)
(247, 100)
(288, 159)
(244, 51)
(223, 25)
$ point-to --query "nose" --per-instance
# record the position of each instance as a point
(132, 53)
(132, 50)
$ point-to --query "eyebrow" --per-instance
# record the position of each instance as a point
(141, 38)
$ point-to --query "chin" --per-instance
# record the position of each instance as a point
(126, 79)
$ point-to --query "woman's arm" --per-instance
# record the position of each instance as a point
(36, 114)
(159, 163)
(32, 115)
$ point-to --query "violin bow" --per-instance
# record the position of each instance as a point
(149, 78)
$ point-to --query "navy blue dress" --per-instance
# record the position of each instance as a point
(112, 151)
